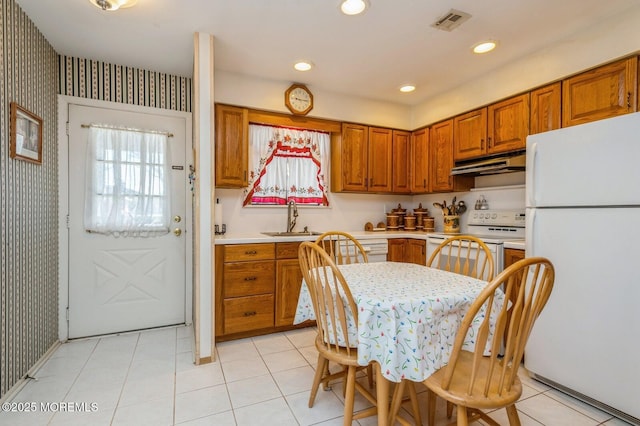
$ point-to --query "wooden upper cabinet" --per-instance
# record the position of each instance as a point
(400, 164)
(603, 92)
(546, 108)
(508, 124)
(441, 160)
(361, 159)
(441, 156)
(419, 161)
(351, 154)
(470, 131)
(231, 146)
(380, 160)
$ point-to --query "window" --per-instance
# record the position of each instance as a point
(128, 182)
(287, 164)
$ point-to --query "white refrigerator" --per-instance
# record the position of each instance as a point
(583, 213)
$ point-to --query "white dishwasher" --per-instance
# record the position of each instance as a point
(376, 249)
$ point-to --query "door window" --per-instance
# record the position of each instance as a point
(127, 191)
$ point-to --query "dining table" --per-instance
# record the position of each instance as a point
(407, 320)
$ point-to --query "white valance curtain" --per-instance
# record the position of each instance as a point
(128, 182)
(287, 164)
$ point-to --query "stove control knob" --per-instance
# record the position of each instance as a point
(493, 216)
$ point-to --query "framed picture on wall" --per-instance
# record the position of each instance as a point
(26, 135)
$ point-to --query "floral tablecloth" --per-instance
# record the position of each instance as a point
(408, 315)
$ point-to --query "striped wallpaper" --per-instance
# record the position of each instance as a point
(92, 79)
(28, 201)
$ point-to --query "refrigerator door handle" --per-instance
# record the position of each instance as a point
(529, 226)
(531, 175)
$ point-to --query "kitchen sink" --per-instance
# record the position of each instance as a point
(291, 234)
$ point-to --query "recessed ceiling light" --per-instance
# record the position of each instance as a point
(353, 7)
(484, 47)
(303, 65)
(111, 5)
(407, 88)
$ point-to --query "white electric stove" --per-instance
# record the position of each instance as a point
(494, 227)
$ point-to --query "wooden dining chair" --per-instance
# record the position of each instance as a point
(475, 382)
(342, 247)
(464, 254)
(334, 309)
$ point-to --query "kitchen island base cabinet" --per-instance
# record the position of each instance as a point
(256, 289)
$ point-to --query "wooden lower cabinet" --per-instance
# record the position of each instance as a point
(409, 250)
(416, 251)
(396, 249)
(288, 283)
(256, 287)
(511, 256)
(248, 313)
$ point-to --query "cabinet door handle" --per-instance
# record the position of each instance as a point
(482, 143)
(489, 141)
(628, 100)
(250, 313)
(250, 278)
(251, 252)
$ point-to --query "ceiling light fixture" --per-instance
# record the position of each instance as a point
(406, 88)
(484, 47)
(111, 5)
(303, 65)
(353, 7)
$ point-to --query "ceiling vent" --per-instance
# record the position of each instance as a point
(451, 20)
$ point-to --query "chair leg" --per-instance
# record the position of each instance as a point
(431, 404)
(462, 416)
(370, 375)
(327, 373)
(512, 413)
(449, 409)
(413, 395)
(349, 398)
(396, 402)
(317, 378)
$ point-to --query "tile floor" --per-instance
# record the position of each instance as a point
(148, 378)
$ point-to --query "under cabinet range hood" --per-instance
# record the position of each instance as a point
(490, 166)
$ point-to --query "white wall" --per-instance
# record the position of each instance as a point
(611, 39)
(268, 95)
(602, 43)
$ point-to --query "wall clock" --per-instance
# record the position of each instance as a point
(299, 99)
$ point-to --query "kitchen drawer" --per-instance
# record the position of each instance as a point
(248, 313)
(287, 250)
(248, 278)
(242, 252)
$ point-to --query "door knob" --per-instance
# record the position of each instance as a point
(177, 219)
(177, 231)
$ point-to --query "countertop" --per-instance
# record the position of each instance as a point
(515, 244)
(256, 237)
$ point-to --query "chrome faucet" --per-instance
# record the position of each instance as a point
(292, 214)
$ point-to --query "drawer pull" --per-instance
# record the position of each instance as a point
(250, 278)
(250, 313)
(250, 252)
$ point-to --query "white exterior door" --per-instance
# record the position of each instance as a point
(119, 284)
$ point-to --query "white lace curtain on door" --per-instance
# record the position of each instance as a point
(128, 182)
(287, 164)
